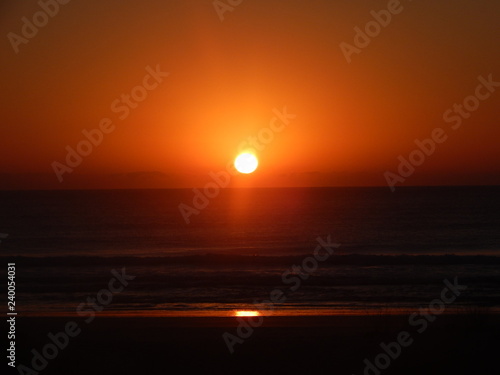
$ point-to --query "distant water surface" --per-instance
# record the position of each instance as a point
(395, 248)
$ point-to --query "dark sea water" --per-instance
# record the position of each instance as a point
(396, 249)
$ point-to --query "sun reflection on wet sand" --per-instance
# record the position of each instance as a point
(246, 313)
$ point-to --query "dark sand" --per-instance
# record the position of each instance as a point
(465, 344)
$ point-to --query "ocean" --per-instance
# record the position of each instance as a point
(394, 250)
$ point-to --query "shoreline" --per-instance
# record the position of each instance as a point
(296, 313)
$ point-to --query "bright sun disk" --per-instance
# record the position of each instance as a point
(246, 163)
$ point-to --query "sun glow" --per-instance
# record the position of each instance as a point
(246, 313)
(246, 163)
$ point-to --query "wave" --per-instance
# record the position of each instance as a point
(239, 260)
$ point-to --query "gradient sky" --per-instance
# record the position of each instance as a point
(352, 121)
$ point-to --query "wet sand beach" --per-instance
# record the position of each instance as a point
(451, 344)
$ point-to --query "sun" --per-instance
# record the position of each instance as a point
(246, 163)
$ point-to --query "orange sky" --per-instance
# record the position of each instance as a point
(225, 78)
